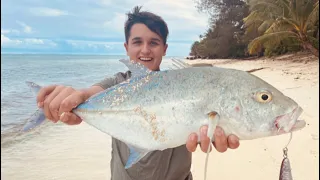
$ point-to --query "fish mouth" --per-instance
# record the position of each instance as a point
(289, 122)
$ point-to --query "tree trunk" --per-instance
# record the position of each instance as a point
(312, 49)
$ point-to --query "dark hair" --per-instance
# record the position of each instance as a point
(155, 23)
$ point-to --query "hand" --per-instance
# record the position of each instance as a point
(221, 142)
(56, 100)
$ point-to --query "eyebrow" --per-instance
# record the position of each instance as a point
(136, 38)
(155, 39)
(139, 38)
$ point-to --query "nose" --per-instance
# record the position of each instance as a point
(145, 49)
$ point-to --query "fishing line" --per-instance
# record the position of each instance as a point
(289, 140)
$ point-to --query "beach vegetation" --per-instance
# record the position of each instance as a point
(258, 27)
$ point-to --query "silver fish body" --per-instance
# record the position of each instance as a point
(158, 110)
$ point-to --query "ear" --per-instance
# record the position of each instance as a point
(126, 47)
(165, 49)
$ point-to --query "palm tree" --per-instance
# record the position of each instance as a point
(277, 20)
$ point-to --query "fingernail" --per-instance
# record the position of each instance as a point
(233, 140)
(192, 137)
(219, 132)
(204, 130)
(62, 115)
(39, 104)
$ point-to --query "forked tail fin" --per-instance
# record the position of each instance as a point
(38, 117)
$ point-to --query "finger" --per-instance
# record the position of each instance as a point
(43, 93)
(57, 101)
(204, 139)
(70, 118)
(48, 107)
(71, 102)
(233, 142)
(192, 142)
(220, 140)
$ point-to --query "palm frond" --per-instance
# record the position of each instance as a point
(275, 38)
(265, 25)
(280, 25)
(313, 16)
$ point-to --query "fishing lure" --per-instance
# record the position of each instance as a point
(285, 169)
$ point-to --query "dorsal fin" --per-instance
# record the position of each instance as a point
(179, 64)
(137, 69)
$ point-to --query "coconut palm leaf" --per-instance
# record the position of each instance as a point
(270, 38)
(287, 18)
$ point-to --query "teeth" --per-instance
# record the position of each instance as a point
(145, 59)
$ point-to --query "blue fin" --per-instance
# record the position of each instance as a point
(38, 117)
(34, 87)
(135, 155)
(137, 69)
(35, 120)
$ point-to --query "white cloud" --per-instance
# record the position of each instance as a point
(43, 11)
(105, 2)
(93, 44)
(117, 23)
(180, 14)
(7, 42)
(33, 41)
(5, 31)
(94, 19)
(183, 19)
(26, 28)
(8, 31)
(83, 42)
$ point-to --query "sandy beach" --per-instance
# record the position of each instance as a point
(81, 152)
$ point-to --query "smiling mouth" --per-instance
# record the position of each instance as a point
(145, 59)
(288, 122)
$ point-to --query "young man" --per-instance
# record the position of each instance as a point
(146, 36)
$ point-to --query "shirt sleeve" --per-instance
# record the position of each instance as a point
(111, 81)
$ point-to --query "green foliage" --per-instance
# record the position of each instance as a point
(285, 46)
(279, 20)
(273, 27)
(224, 38)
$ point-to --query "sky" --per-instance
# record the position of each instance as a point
(91, 26)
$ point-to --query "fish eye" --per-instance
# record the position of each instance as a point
(263, 97)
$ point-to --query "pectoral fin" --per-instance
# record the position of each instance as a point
(135, 155)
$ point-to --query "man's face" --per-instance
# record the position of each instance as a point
(145, 47)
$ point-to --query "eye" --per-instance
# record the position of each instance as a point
(137, 42)
(263, 97)
(154, 43)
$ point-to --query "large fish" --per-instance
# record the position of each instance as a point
(159, 109)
